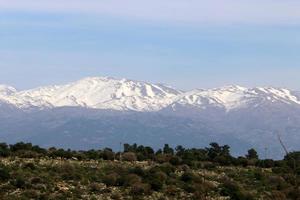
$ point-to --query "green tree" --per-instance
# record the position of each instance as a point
(4, 150)
(252, 154)
(168, 150)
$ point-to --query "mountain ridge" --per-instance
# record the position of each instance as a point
(102, 112)
(131, 95)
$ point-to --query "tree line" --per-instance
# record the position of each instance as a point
(215, 154)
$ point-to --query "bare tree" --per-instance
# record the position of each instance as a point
(287, 155)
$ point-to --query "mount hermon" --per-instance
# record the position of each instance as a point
(98, 93)
(100, 111)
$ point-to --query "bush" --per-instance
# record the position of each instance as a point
(156, 184)
(171, 190)
(166, 168)
(187, 177)
(116, 196)
(203, 189)
(129, 156)
(111, 179)
(31, 194)
(209, 165)
(4, 174)
(157, 180)
(138, 170)
(68, 172)
(140, 189)
(132, 179)
(19, 182)
(162, 158)
(108, 154)
(235, 192)
(277, 195)
(96, 187)
(294, 193)
(27, 154)
(29, 166)
(4, 150)
(36, 180)
(175, 160)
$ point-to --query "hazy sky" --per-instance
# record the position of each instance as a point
(184, 43)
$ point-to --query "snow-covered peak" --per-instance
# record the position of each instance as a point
(7, 90)
(231, 88)
(234, 97)
(100, 93)
(124, 95)
(227, 97)
(277, 95)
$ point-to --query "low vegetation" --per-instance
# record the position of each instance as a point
(139, 172)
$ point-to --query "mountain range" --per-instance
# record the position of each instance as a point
(104, 112)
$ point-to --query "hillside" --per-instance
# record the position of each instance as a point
(138, 172)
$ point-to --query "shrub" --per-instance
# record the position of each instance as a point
(36, 180)
(166, 168)
(96, 187)
(108, 154)
(241, 161)
(175, 160)
(140, 189)
(267, 163)
(111, 179)
(138, 170)
(157, 180)
(294, 193)
(187, 177)
(129, 156)
(162, 158)
(156, 184)
(189, 188)
(171, 190)
(277, 195)
(132, 179)
(116, 196)
(69, 172)
(4, 174)
(19, 182)
(184, 168)
(29, 166)
(235, 192)
(27, 154)
(209, 165)
(31, 194)
(4, 150)
(203, 189)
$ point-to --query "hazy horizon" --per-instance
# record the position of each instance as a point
(183, 44)
(139, 80)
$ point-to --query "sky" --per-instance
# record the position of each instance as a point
(183, 43)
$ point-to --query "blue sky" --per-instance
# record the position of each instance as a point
(187, 44)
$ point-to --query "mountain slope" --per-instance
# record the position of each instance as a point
(236, 97)
(100, 111)
(6, 90)
(99, 93)
(124, 95)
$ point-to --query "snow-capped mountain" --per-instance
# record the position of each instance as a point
(6, 90)
(125, 95)
(102, 112)
(98, 93)
(235, 97)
